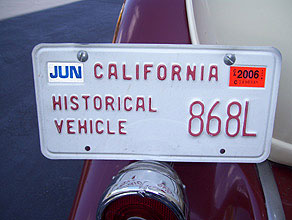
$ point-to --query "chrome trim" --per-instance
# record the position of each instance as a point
(152, 179)
(271, 193)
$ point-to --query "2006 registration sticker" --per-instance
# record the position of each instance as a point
(242, 76)
(158, 102)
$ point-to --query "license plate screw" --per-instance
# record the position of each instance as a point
(82, 55)
(229, 59)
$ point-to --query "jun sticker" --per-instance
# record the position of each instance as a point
(65, 72)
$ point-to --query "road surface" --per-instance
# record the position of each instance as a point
(31, 186)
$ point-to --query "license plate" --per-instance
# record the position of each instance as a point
(156, 102)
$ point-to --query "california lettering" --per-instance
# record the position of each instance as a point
(174, 72)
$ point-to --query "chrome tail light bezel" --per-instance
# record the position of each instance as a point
(152, 179)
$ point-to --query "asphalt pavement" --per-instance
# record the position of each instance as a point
(31, 186)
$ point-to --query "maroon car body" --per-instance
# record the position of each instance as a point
(214, 190)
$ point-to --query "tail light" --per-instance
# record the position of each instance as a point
(144, 190)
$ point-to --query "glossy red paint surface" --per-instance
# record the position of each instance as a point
(154, 21)
(283, 177)
(214, 191)
(222, 191)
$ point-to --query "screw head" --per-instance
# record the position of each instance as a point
(82, 55)
(229, 59)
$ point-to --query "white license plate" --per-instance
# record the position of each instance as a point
(156, 102)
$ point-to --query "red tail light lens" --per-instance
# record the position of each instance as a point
(136, 207)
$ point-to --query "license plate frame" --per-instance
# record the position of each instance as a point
(164, 130)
